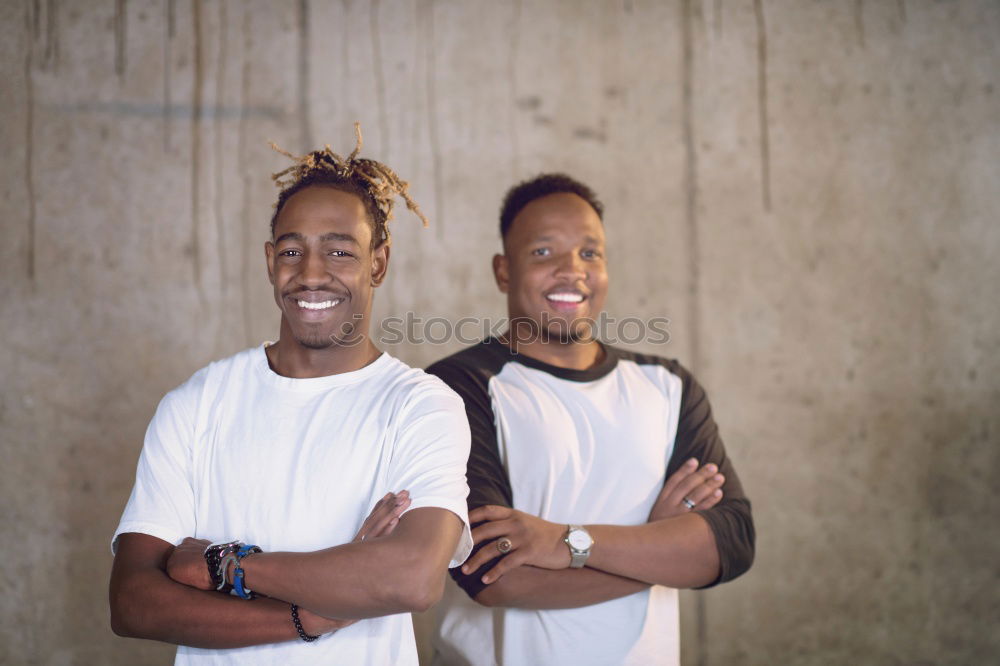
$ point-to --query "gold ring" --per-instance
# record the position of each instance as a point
(504, 545)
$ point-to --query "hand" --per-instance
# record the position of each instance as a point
(701, 486)
(532, 541)
(187, 565)
(384, 516)
(380, 522)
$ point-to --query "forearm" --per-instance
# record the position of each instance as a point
(403, 572)
(534, 588)
(678, 552)
(147, 604)
(350, 581)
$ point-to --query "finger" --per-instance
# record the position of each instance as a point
(505, 565)
(379, 508)
(707, 503)
(688, 484)
(489, 512)
(699, 493)
(482, 556)
(674, 479)
(374, 517)
(380, 522)
(386, 526)
(491, 530)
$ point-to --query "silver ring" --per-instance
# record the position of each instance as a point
(688, 503)
(504, 545)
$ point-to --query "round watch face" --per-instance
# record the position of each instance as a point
(580, 540)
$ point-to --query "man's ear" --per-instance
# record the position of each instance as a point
(380, 263)
(500, 272)
(269, 256)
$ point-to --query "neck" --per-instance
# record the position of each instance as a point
(288, 358)
(571, 354)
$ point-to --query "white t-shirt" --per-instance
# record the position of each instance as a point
(239, 452)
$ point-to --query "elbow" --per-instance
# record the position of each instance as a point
(130, 610)
(120, 626)
(741, 548)
(489, 597)
(421, 593)
(122, 621)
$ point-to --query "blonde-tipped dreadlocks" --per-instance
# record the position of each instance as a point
(375, 183)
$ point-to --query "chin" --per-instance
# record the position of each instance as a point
(316, 342)
(569, 332)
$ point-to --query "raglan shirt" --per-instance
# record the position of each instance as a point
(240, 452)
(581, 447)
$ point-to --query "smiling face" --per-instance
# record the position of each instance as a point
(323, 268)
(553, 269)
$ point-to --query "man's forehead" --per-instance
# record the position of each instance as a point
(323, 213)
(559, 212)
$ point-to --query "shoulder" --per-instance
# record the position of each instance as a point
(669, 374)
(472, 366)
(412, 387)
(651, 361)
(638, 358)
(208, 380)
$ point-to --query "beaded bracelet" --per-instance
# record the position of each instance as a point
(298, 626)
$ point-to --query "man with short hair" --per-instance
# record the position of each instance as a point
(581, 544)
(279, 451)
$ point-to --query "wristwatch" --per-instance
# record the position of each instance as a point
(580, 542)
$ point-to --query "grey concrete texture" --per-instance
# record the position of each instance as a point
(808, 190)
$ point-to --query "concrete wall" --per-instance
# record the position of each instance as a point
(807, 189)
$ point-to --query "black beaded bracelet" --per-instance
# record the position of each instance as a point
(298, 626)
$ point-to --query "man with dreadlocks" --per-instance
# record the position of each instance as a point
(596, 474)
(273, 456)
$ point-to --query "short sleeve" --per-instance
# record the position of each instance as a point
(430, 456)
(162, 499)
(488, 479)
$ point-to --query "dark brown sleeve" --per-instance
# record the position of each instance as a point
(488, 479)
(698, 437)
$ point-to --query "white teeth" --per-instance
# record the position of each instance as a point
(566, 298)
(323, 305)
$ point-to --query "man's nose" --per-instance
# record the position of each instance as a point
(571, 264)
(313, 271)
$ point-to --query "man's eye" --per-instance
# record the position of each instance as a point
(289, 253)
(541, 252)
(590, 254)
(340, 253)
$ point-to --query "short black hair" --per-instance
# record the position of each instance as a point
(540, 186)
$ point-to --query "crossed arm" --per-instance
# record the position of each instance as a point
(163, 593)
(675, 548)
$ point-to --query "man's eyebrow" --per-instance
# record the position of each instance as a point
(334, 236)
(331, 236)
